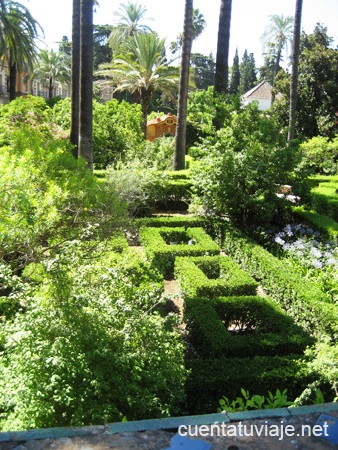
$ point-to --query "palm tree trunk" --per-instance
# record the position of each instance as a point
(86, 83)
(294, 73)
(223, 42)
(50, 94)
(180, 142)
(12, 80)
(75, 88)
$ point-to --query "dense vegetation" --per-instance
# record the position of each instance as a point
(86, 334)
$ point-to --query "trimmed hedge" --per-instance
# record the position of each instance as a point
(208, 323)
(162, 245)
(310, 307)
(324, 199)
(208, 276)
(170, 221)
(211, 379)
(322, 222)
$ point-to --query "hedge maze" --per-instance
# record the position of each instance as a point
(239, 338)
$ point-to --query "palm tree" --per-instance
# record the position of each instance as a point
(223, 41)
(278, 33)
(180, 142)
(52, 66)
(198, 26)
(85, 144)
(142, 70)
(130, 18)
(75, 87)
(294, 73)
(18, 30)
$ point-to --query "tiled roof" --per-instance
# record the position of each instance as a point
(161, 119)
(261, 91)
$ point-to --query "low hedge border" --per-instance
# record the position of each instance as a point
(170, 221)
(324, 223)
(208, 328)
(211, 379)
(208, 276)
(310, 307)
(163, 254)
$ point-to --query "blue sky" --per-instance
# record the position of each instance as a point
(249, 19)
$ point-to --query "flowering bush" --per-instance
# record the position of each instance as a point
(313, 257)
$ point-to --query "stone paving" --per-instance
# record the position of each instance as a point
(280, 429)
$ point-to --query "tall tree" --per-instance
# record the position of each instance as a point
(204, 70)
(198, 26)
(102, 52)
(52, 67)
(248, 72)
(65, 46)
(294, 73)
(142, 69)
(130, 18)
(317, 87)
(279, 32)
(75, 86)
(86, 83)
(18, 30)
(180, 141)
(223, 42)
(235, 75)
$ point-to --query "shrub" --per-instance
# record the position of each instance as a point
(90, 347)
(224, 327)
(310, 307)
(324, 199)
(158, 154)
(240, 168)
(170, 221)
(164, 244)
(48, 196)
(138, 187)
(324, 223)
(117, 130)
(321, 154)
(212, 277)
(210, 379)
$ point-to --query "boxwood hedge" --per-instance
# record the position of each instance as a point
(310, 307)
(162, 245)
(212, 276)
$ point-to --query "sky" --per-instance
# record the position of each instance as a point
(248, 20)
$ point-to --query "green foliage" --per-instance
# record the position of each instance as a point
(117, 130)
(209, 379)
(158, 154)
(241, 325)
(324, 362)
(321, 154)
(202, 107)
(91, 347)
(164, 244)
(248, 77)
(212, 277)
(324, 199)
(240, 168)
(25, 111)
(170, 221)
(137, 186)
(322, 222)
(310, 307)
(316, 87)
(204, 70)
(246, 403)
(48, 196)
